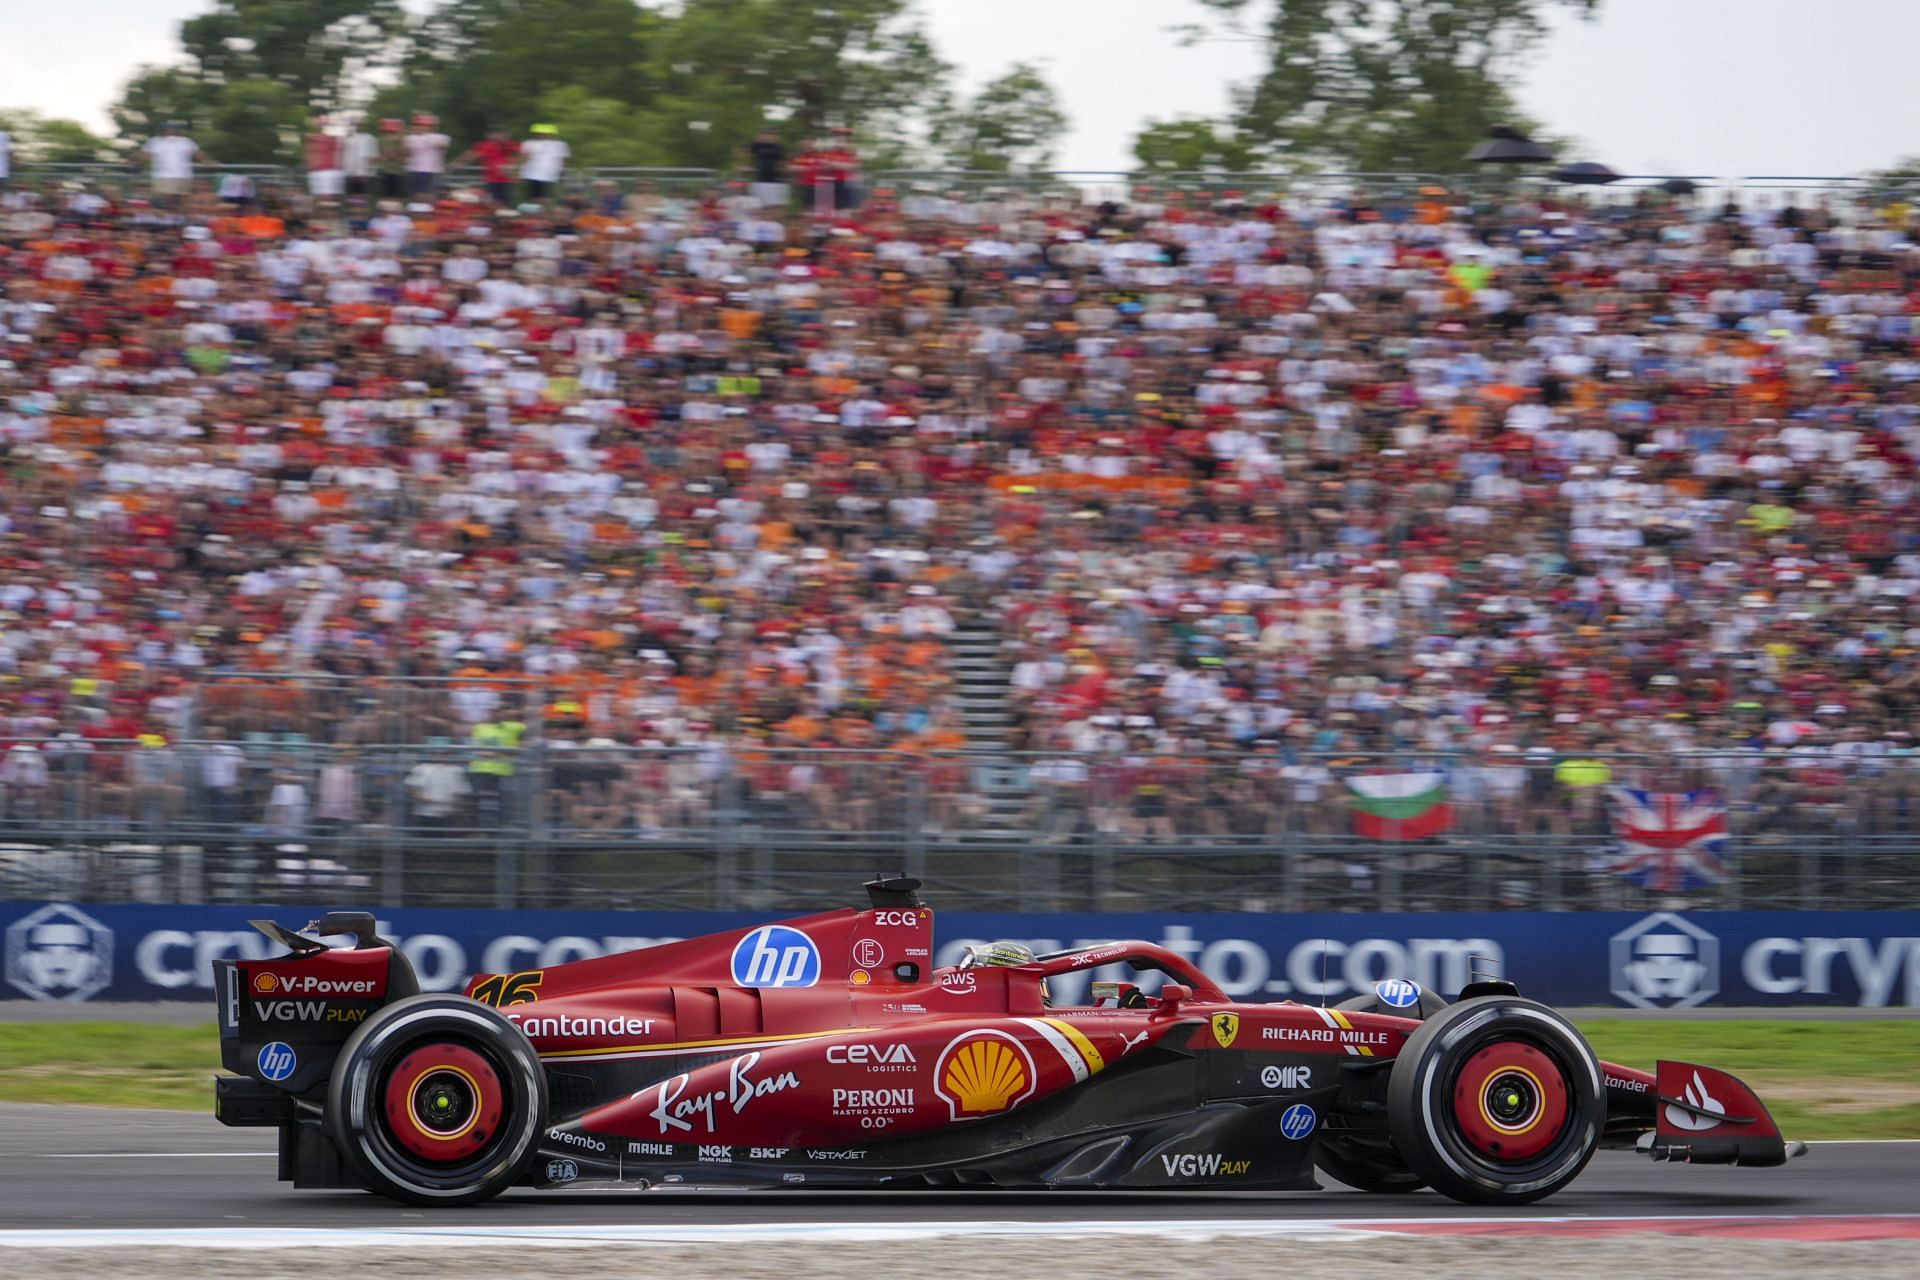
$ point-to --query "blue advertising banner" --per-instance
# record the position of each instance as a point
(81, 951)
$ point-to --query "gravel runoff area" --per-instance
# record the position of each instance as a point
(987, 1258)
(189, 1013)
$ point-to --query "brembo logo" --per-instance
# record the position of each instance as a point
(580, 1140)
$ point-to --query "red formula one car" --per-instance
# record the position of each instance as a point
(827, 1050)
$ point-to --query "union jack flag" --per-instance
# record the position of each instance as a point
(1670, 841)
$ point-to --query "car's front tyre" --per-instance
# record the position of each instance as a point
(1496, 1100)
(438, 1100)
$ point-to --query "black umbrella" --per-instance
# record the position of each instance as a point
(1507, 145)
(1679, 187)
(1586, 174)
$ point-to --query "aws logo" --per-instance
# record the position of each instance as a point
(1225, 1027)
(984, 1073)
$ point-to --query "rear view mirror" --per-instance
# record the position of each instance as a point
(1172, 995)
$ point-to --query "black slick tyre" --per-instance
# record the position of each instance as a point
(437, 1100)
(1497, 1100)
(1366, 1165)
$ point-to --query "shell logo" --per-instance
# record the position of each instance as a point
(265, 982)
(984, 1073)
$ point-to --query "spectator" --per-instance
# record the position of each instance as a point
(769, 159)
(390, 159)
(496, 153)
(326, 172)
(171, 156)
(426, 152)
(439, 789)
(359, 159)
(543, 159)
(286, 811)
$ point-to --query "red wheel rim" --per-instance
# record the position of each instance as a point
(444, 1102)
(1510, 1101)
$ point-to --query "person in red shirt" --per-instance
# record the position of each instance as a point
(495, 152)
(326, 180)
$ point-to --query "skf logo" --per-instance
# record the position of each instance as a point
(984, 1073)
(1225, 1027)
(265, 982)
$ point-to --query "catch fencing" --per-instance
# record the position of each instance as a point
(404, 813)
(1080, 186)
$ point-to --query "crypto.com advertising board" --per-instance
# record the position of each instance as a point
(81, 951)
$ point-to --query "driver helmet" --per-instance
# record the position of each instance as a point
(1005, 955)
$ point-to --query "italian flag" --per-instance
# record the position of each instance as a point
(1399, 806)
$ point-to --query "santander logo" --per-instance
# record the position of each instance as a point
(1697, 1096)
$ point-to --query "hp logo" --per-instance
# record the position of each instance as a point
(1298, 1122)
(776, 956)
(276, 1061)
(1398, 993)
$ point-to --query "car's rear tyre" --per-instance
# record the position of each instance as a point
(1365, 1164)
(438, 1100)
(1496, 1100)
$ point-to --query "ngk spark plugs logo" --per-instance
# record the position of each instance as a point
(59, 953)
(1665, 962)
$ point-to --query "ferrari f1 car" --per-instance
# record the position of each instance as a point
(828, 1051)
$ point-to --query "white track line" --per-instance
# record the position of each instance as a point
(158, 1155)
(579, 1237)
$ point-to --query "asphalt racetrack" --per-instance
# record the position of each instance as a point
(87, 1169)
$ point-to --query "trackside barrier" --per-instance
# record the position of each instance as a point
(84, 951)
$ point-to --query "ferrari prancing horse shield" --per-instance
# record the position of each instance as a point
(1225, 1027)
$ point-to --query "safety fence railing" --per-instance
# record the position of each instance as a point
(557, 819)
(929, 186)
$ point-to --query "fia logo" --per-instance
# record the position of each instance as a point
(562, 1171)
(1298, 1121)
(775, 955)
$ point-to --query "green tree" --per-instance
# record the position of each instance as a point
(480, 63)
(724, 69)
(253, 71)
(1381, 84)
(247, 122)
(1010, 126)
(40, 140)
(1190, 144)
(317, 49)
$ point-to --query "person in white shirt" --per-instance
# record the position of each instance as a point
(426, 154)
(171, 154)
(357, 156)
(543, 158)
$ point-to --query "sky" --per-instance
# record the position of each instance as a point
(1719, 88)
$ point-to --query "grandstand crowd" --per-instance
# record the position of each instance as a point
(1275, 481)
